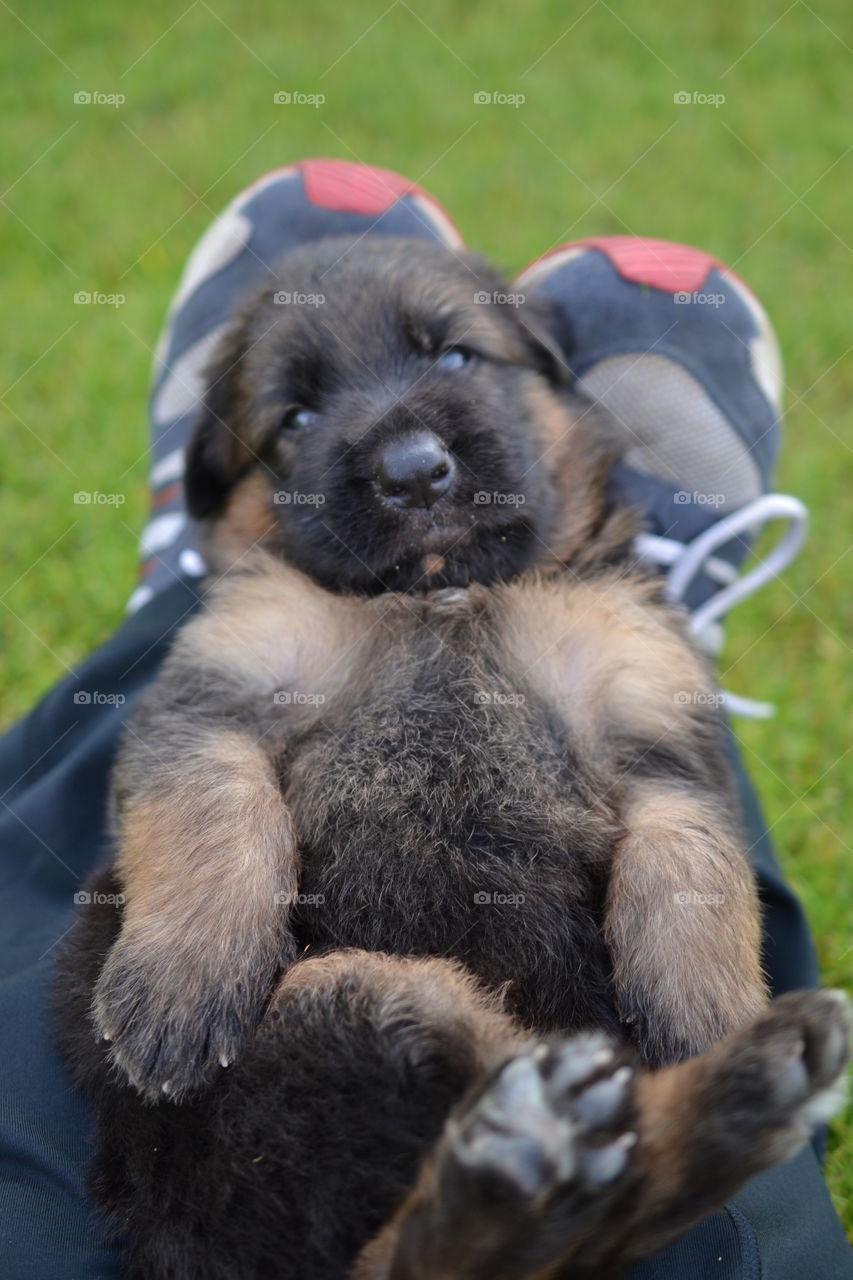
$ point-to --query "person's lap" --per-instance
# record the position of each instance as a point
(54, 769)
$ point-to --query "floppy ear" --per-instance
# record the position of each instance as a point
(212, 464)
(548, 338)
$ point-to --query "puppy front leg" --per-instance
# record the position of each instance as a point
(682, 922)
(208, 861)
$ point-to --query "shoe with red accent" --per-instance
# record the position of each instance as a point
(682, 358)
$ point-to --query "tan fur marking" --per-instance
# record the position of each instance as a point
(248, 521)
(598, 653)
(209, 866)
(209, 854)
(665, 1103)
(431, 992)
(553, 418)
(276, 629)
(432, 564)
(682, 919)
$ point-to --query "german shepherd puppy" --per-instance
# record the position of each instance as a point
(425, 832)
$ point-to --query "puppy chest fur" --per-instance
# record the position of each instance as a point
(448, 813)
(446, 765)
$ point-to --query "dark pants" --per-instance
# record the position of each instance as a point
(54, 778)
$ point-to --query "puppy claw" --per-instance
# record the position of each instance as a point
(166, 1039)
(792, 1087)
(578, 1061)
(600, 1103)
(603, 1165)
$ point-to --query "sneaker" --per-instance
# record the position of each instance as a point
(681, 357)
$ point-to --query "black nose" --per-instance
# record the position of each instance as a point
(413, 470)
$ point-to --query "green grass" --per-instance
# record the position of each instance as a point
(115, 199)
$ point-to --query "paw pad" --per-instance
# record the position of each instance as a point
(554, 1118)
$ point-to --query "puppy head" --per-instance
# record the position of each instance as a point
(388, 416)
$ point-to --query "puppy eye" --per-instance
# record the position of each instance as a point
(298, 418)
(453, 358)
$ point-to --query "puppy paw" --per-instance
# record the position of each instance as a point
(552, 1133)
(169, 1026)
(774, 1081)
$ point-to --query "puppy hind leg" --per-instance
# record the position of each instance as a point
(526, 1169)
(705, 1126)
(570, 1162)
(334, 1105)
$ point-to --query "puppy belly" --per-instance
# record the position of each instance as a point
(419, 839)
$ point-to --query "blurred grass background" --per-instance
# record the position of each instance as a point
(112, 199)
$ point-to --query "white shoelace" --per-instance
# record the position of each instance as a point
(684, 560)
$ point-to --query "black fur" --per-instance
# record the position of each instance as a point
(313, 1136)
